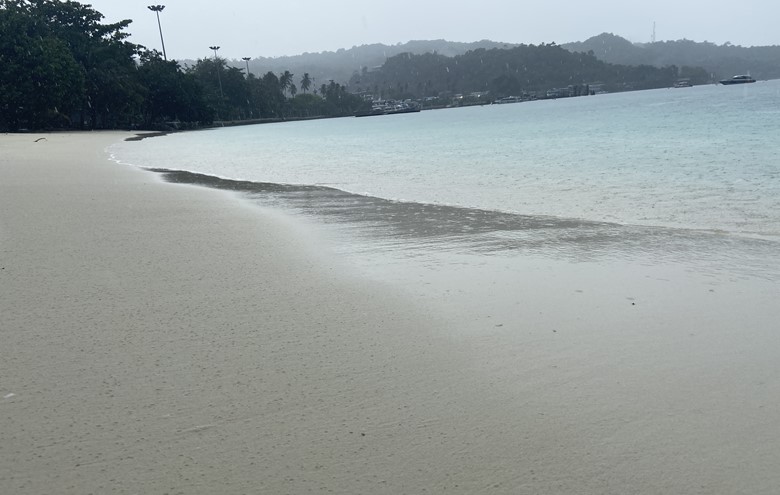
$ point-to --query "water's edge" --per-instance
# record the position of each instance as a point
(391, 225)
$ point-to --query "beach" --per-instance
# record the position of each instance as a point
(168, 338)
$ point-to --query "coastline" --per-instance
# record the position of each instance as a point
(161, 337)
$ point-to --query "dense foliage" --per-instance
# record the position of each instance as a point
(60, 67)
(57, 63)
(340, 64)
(503, 72)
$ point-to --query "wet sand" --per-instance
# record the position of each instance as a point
(166, 338)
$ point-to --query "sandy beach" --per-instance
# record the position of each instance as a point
(165, 338)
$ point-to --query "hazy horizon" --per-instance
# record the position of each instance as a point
(246, 29)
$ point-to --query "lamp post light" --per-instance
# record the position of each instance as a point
(246, 60)
(157, 9)
(216, 62)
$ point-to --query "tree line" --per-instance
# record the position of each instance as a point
(340, 64)
(719, 61)
(512, 71)
(61, 67)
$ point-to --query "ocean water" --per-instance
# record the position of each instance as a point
(688, 175)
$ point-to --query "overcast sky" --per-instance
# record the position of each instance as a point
(250, 28)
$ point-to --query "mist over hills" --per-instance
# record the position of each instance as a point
(719, 61)
(340, 65)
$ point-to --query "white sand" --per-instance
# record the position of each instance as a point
(158, 338)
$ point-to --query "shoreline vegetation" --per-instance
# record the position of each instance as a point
(88, 76)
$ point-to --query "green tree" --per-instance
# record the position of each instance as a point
(307, 105)
(57, 40)
(112, 95)
(266, 94)
(305, 82)
(285, 81)
(171, 95)
(40, 82)
(339, 102)
(211, 75)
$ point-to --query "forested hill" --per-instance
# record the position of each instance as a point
(721, 61)
(341, 64)
(513, 71)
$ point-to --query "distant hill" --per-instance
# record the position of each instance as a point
(717, 61)
(720, 61)
(343, 63)
(527, 70)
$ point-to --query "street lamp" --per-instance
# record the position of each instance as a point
(157, 9)
(246, 61)
(219, 78)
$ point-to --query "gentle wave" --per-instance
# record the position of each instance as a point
(396, 225)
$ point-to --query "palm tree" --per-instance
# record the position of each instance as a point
(305, 82)
(285, 80)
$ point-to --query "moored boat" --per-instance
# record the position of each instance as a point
(740, 79)
(390, 107)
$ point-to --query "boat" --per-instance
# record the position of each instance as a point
(404, 107)
(509, 99)
(368, 113)
(741, 79)
(391, 107)
(683, 83)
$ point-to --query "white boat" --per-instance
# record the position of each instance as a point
(741, 79)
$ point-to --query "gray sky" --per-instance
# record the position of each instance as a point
(250, 28)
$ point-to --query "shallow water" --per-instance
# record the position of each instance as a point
(688, 176)
(373, 228)
(704, 157)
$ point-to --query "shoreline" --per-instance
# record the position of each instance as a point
(164, 337)
(176, 176)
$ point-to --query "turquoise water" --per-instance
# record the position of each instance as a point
(706, 157)
(664, 171)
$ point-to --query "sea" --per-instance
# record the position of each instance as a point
(685, 176)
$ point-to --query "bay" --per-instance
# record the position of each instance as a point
(683, 175)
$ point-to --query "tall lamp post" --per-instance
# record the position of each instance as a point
(157, 9)
(246, 61)
(216, 62)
